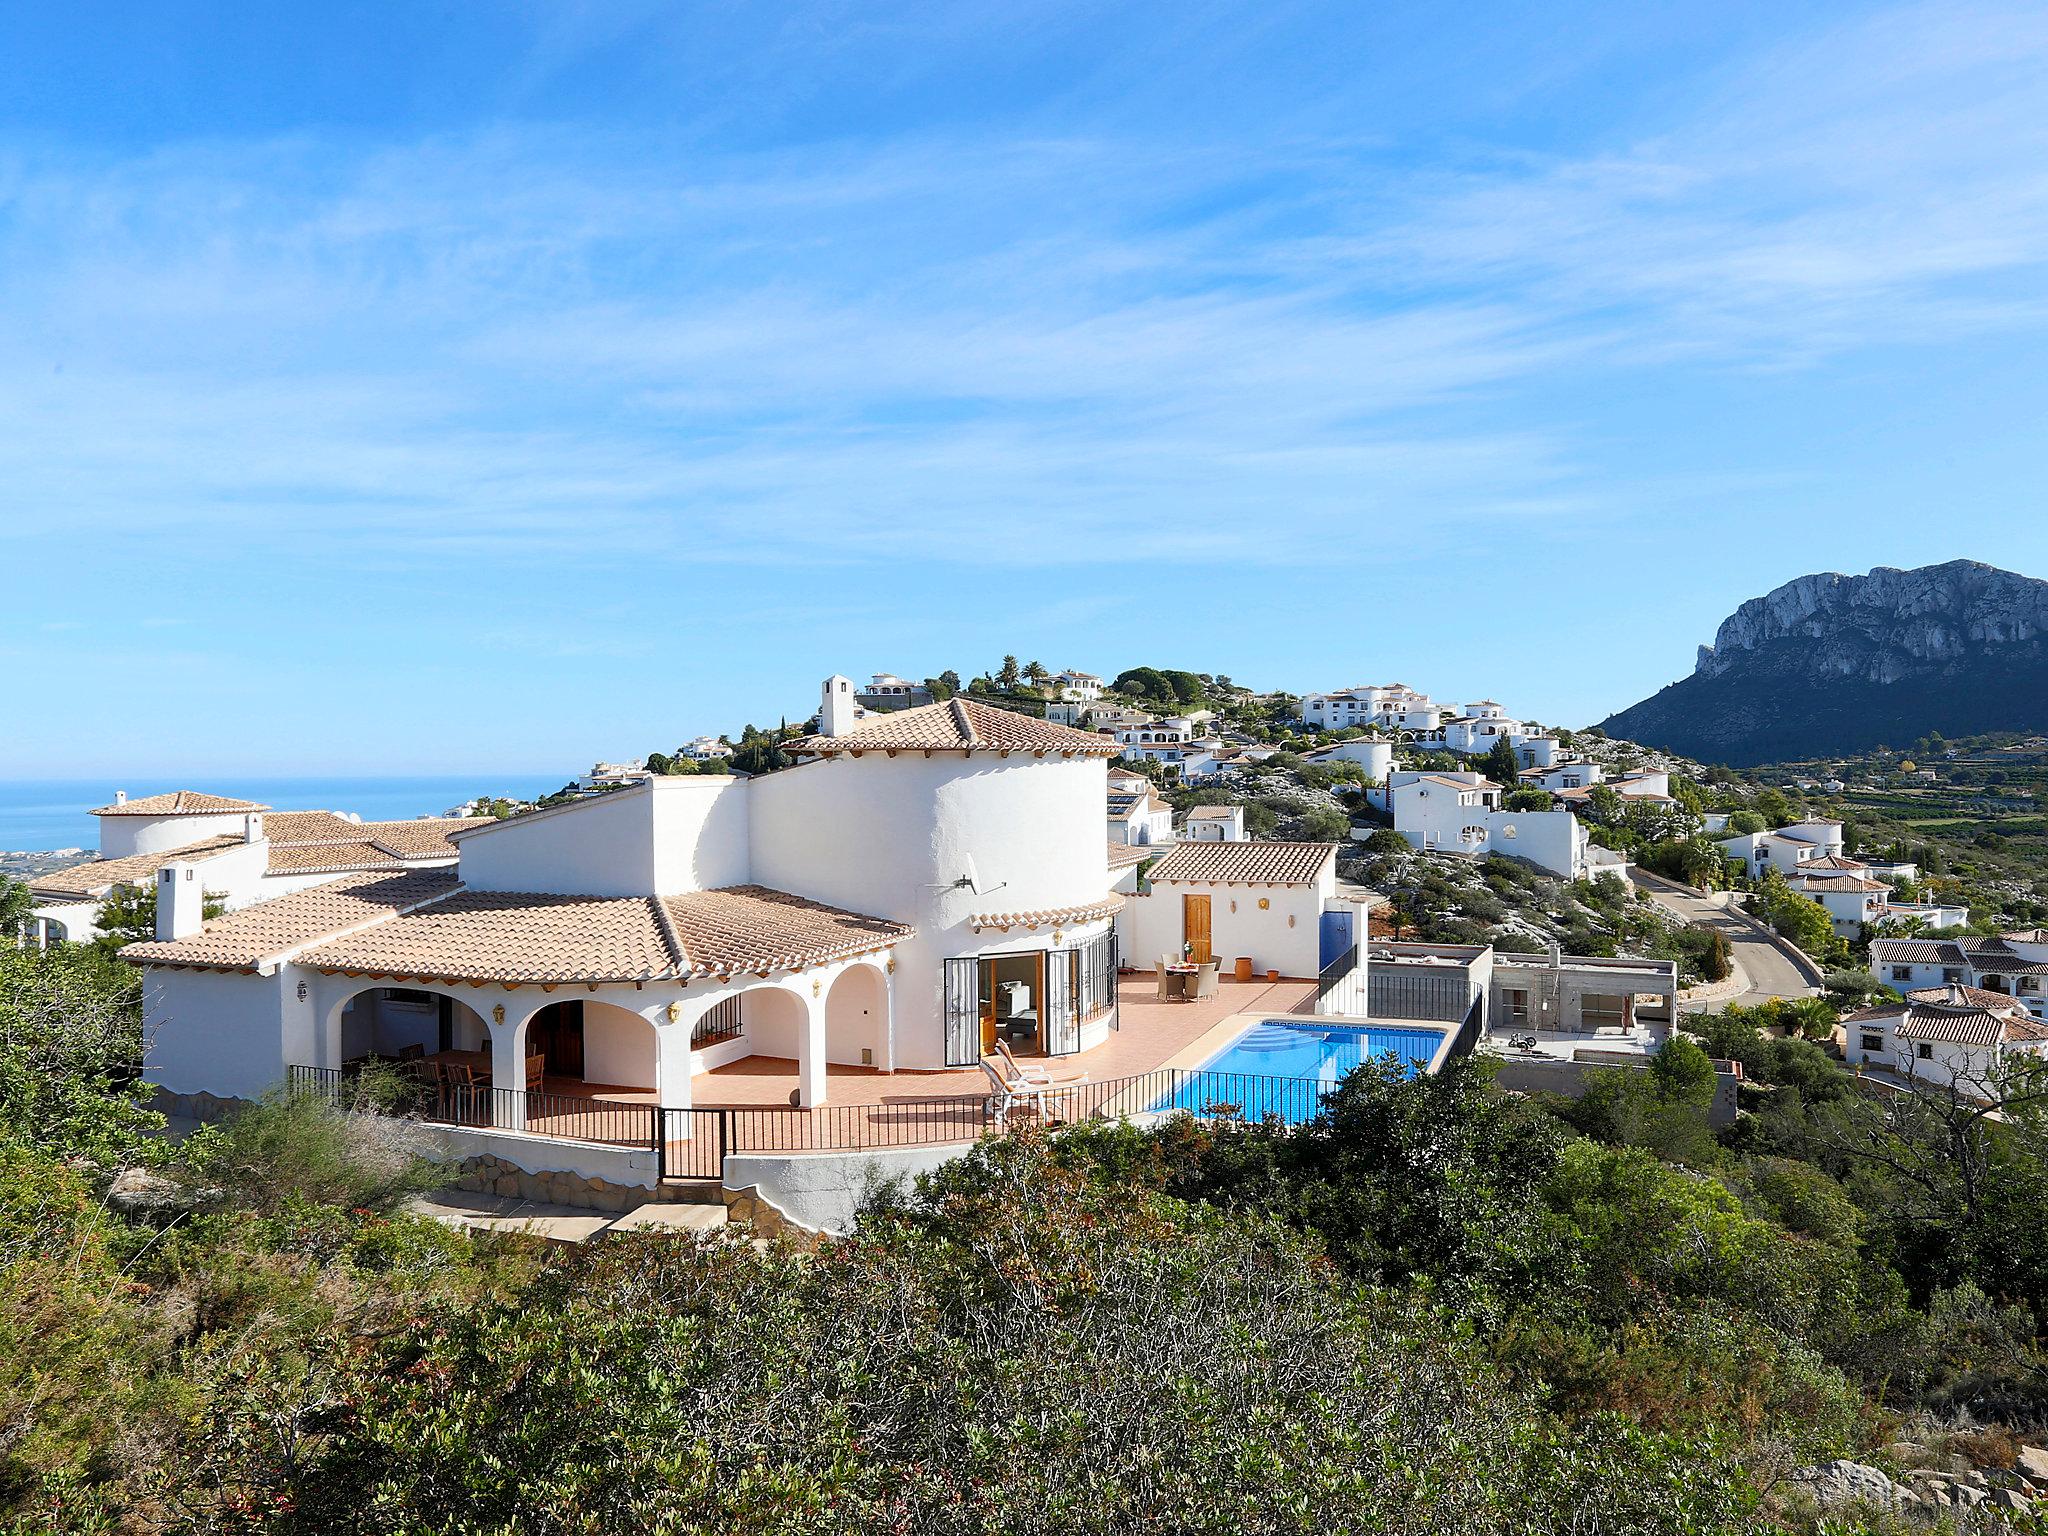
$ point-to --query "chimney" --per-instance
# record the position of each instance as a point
(180, 901)
(120, 797)
(252, 827)
(835, 711)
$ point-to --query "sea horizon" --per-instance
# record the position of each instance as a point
(46, 815)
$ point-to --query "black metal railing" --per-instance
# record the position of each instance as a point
(405, 1091)
(694, 1143)
(1466, 1040)
(1397, 993)
(1341, 985)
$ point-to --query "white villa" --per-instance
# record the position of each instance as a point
(885, 690)
(1393, 705)
(1948, 1035)
(1461, 813)
(1214, 824)
(1561, 775)
(1078, 687)
(1372, 754)
(869, 906)
(704, 748)
(1787, 848)
(2013, 965)
(235, 852)
(1138, 817)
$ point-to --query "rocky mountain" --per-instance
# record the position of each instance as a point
(1831, 663)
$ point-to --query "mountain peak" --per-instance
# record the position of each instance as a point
(1836, 663)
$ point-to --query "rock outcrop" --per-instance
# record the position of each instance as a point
(1832, 663)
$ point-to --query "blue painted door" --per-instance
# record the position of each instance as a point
(1335, 937)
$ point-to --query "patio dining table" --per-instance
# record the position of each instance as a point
(1178, 977)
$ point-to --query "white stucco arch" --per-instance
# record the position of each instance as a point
(857, 1017)
(347, 1032)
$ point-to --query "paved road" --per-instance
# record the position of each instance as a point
(1770, 973)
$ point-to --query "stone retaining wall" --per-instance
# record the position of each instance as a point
(492, 1175)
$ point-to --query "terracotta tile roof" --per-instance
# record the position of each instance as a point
(1805, 882)
(97, 877)
(321, 858)
(753, 928)
(1051, 917)
(1916, 952)
(2027, 936)
(1956, 993)
(309, 827)
(1955, 1024)
(1124, 855)
(1213, 813)
(422, 924)
(958, 725)
(1451, 783)
(423, 837)
(178, 802)
(284, 924)
(1248, 863)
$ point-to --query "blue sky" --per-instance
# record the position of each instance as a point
(426, 387)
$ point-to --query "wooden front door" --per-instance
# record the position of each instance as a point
(986, 996)
(1194, 927)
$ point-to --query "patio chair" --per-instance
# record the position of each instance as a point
(413, 1052)
(1011, 1094)
(536, 1072)
(1172, 984)
(1207, 979)
(1037, 1077)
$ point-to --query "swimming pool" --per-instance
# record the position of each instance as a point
(1284, 1067)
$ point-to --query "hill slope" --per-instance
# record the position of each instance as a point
(1831, 664)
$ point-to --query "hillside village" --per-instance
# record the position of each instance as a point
(737, 983)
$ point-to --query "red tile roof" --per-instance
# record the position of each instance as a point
(178, 802)
(1246, 863)
(958, 725)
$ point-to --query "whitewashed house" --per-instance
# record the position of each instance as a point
(1787, 849)
(234, 852)
(1556, 777)
(1373, 755)
(1081, 687)
(1139, 817)
(2012, 964)
(1215, 824)
(1461, 813)
(880, 904)
(1951, 1035)
(1538, 749)
(605, 776)
(885, 690)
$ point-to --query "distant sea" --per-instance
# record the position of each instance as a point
(38, 814)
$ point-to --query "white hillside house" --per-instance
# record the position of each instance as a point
(1951, 1035)
(917, 878)
(235, 852)
(2013, 965)
(1461, 813)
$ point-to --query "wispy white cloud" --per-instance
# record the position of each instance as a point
(549, 345)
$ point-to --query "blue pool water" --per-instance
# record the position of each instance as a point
(1284, 1067)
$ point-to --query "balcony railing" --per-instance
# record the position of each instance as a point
(694, 1143)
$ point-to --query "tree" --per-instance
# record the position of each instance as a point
(1527, 800)
(1745, 823)
(1324, 825)
(1036, 675)
(128, 915)
(661, 764)
(1007, 674)
(939, 689)
(1143, 683)
(950, 679)
(15, 903)
(1799, 918)
(1499, 764)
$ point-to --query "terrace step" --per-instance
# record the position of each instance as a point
(660, 1216)
(689, 1192)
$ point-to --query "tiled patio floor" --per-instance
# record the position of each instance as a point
(749, 1108)
(1153, 1034)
